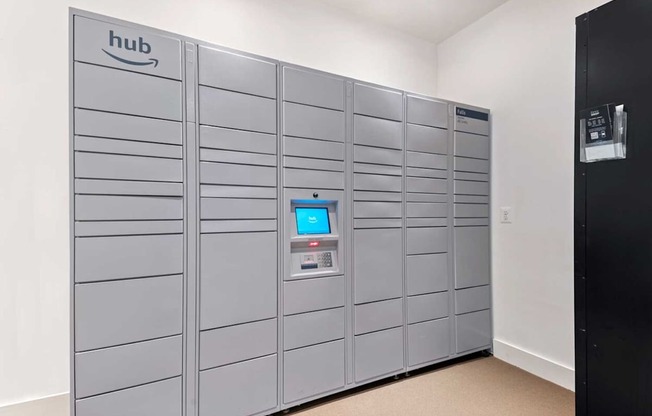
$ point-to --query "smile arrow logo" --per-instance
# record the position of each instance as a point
(151, 61)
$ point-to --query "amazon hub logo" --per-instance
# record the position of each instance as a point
(139, 46)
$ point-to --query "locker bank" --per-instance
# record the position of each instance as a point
(250, 235)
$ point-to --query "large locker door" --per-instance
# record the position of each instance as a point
(613, 230)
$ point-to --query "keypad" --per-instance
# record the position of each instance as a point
(325, 259)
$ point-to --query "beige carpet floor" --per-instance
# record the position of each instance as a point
(483, 387)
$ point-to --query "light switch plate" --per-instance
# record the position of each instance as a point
(506, 215)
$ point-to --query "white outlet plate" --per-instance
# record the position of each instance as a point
(506, 215)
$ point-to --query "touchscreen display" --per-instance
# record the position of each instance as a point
(312, 221)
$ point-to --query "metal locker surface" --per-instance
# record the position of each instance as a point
(311, 88)
(126, 48)
(469, 176)
(236, 343)
(427, 222)
(233, 209)
(427, 273)
(377, 102)
(427, 112)
(237, 226)
(381, 183)
(377, 264)
(428, 341)
(427, 240)
(116, 368)
(313, 179)
(124, 228)
(222, 108)
(471, 199)
(238, 275)
(127, 147)
(99, 208)
(313, 294)
(471, 222)
(471, 211)
(108, 187)
(364, 154)
(313, 370)
(104, 166)
(239, 140)
(471, 188)
(465, 164)
(236, 158)
(240, 389)
(105, 89)
(377, 209)
(472, 299)
(316, 149)
(426, 210)
(163, 398)
(230, 71)
(313, 328)
(377, 316)
(229, 191)
(100, 258)
(114, 313)
(427, 160)
(426, 173)
(472, 145)
(126, 127)
(423, 308)
(473, 330)
(427, 185)
(426, 139)
(377, 196)
(313, 122)
(417, 197)
(225, 174)
(472, 257)
(313, 164)
(377, 169)
(378, 354)
(362, 223)
(377, 132)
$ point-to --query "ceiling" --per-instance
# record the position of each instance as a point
(432, 20)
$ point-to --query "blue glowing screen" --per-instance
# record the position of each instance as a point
(312, 221)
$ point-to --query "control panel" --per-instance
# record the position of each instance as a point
(313, 237)
(318, 260)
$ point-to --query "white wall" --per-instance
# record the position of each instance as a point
(519, 61)
(34, 138)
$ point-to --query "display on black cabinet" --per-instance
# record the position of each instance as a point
(603, 133)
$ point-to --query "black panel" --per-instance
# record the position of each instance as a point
(614, 202)
(582, 28)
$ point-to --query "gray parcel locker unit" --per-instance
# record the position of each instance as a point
(249, 235)
(314, 283)
(238, 246)
(471, 154)
(378, 231)
(428, 231)
(128, 222)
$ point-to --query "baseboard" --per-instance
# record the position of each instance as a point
(532, 363)
(57, 405)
